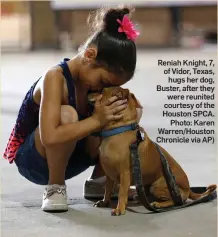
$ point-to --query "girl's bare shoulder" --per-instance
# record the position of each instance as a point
(52, 76)
(54, 72)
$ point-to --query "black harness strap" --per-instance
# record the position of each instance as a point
(138, 178)
(170, 180)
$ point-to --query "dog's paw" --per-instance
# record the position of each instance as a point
(117, 212)
(164, 204)
(101, 203)
(156, 204)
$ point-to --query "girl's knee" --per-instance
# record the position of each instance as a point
(68, 114)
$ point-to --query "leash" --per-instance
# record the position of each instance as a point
(169, 177)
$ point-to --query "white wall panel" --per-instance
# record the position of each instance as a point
(75, 4)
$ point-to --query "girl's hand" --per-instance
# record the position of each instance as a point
(108, 111)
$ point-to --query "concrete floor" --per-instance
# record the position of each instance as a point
(20, 207)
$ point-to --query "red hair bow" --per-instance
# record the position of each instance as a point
(127, 27)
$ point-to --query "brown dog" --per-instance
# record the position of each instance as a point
(115, 160)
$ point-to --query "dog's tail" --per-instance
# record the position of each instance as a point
(195, 196)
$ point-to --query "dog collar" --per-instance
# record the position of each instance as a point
(116, 131)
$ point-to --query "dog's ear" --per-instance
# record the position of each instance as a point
(137, 103)
(121, 93)
(125, 94)
(92, 97)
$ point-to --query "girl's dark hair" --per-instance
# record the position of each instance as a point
(115, 52)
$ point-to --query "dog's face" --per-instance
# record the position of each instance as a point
(130, 114)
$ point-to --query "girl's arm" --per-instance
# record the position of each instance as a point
(51, 130)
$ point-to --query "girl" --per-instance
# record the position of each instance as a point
(51, 140)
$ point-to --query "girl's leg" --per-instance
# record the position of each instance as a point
(55, 195)
(97, 172)
(58, 156)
